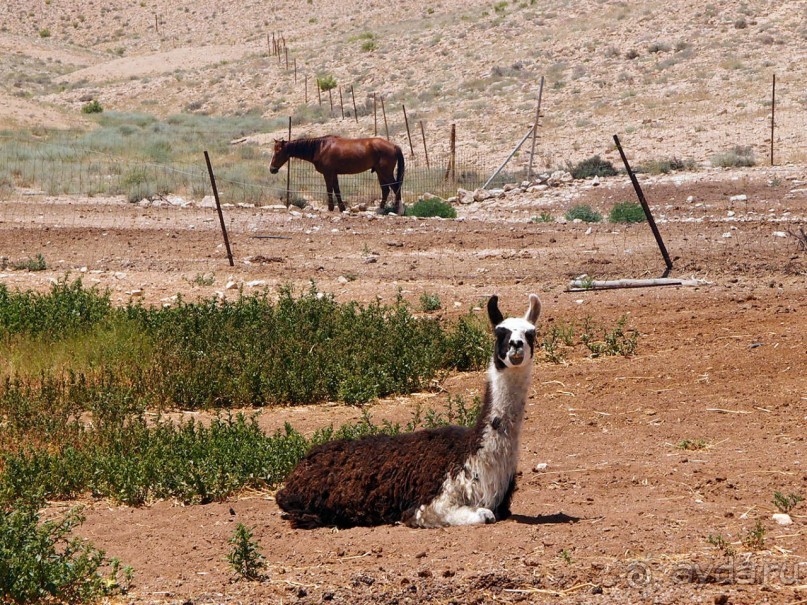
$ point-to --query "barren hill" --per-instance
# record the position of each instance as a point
(678, 78)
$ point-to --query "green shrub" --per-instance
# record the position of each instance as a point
(593, 166)
(584, 212)
(245, 557)
(41, 562)
(92, 107)
(627, 212)
(36, 263)
(44, 33)
(430, 302)
(369, 46)
(666, 166)
(432, 207)
(326, 82)
(737, 157)
(544, 217)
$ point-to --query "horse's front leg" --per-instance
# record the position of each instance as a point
(329, 188)
(338, 193)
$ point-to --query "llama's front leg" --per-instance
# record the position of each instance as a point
(437, 515)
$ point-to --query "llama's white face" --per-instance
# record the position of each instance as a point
(515, 336)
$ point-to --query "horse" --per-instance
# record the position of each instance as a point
(333, 155)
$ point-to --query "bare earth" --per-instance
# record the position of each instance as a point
(619, 513)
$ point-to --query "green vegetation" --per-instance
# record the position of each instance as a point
(666, 166)
(433, 206)
(92, 107)
(692, 444)
(544, 217)
(786, 503)
(216, 353)
(585, 213)
(754, 539)
(722, 543)
(593, 166)
(36, 263)
(41, 562)
(430, 302)
(627, 212)
(44, 33)
(736, 157)
(326, 82)
(245, 557)
(560, 339)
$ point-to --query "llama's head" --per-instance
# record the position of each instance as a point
(515, 336)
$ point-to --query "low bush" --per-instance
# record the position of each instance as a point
(627, 212)
(92, 107)
(593, 166)
(40, 562)
(584, 212)
(737, 157)
(433, 206)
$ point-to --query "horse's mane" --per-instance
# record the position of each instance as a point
(306, 146)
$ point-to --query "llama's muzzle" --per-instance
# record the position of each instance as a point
(516, 353)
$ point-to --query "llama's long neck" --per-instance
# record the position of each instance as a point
(507, 392)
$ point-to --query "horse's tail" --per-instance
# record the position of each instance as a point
(401, 169)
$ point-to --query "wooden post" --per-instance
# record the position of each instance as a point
(408, 133)
(156, 24)
(353, 94)
(425, 149)
(535, 129)
(287, 58)
(288, 173)
(319, 93)
(375, 114)
(306, 89)
(384, 112)
(646, 207)
(218, 209)
(268, 43)
(773, 113)
(330, 98)
(341, 104)
(451, 170)
(295, 70)
(512, 153)
(274, 44)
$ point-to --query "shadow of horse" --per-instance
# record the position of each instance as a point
(544, 519)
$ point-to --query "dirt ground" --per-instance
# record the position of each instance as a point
(609, 507)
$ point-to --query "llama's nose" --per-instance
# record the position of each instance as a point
(516, 344)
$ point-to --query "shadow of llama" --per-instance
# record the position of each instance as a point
(430, 478)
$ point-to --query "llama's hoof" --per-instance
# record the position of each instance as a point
(486, 515)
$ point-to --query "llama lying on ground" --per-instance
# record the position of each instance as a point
(431, 478)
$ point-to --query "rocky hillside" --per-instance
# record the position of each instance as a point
(676, 78)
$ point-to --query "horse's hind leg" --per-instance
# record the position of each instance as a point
(385, 187)
(329, 188)
(338, 194)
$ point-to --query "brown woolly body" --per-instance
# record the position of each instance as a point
(379, 479)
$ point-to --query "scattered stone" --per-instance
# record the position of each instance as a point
(208, 201)
(231, 285)
(595, 182)
(342, 279)
(779, 234)
(738, 198)
(782, 518)
(541, 466)
(135, 293)
(256, 283)
(731, 213)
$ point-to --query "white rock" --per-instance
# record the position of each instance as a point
(595, 181)
(727, 234)
(588, 231)
(779, 234)
(537, 188)
(342, 279)
(135, 293)
(541, 466)
(738, 198)
(480, 195)
(731, 213)
(255, 283)
(208, 201)
(691, 199)
(782, 518)
(231, 285)
(464, 196)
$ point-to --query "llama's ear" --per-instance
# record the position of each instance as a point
(535, 309)
(494, 314)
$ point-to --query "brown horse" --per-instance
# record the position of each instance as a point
(333, 155)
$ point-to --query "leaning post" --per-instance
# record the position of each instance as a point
(218, 209)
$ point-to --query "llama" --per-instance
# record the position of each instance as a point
(430, 478)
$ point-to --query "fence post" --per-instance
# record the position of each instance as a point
(218, 208)
(341, 104)
(512, 153)
(773, 113)
(646, 208)
(384, 112)
(319, 93)
(375, 114)
(353, 94)
(451, 170)
(306, 89)
(408, 134)
(535, 128)
(425, 149)
(295, 70)
(288, 173)
(330, 98)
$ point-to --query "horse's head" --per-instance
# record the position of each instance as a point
(279, 156)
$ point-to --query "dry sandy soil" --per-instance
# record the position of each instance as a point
(621, 513)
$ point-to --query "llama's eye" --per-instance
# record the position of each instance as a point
(530, 333)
